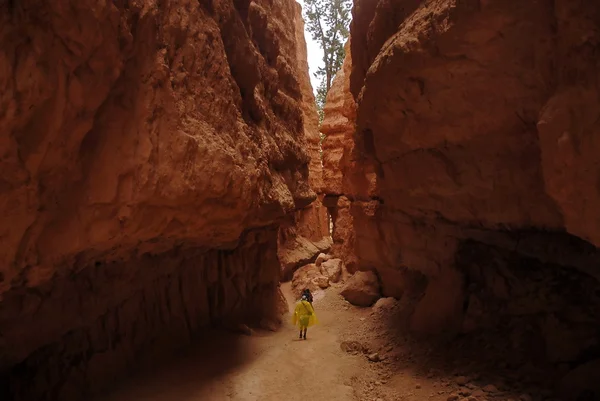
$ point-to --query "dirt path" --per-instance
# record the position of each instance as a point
(279, 367)
(265, 366)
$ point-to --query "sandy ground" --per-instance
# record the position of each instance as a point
(264, 366)
(278, 366)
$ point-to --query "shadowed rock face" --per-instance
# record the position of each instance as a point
(339, 164)
(476, 125)
(149, 150)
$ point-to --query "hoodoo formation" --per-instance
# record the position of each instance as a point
(161, 173)
(149, 152)
(461, 163)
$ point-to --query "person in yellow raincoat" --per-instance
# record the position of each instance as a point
(304, 316)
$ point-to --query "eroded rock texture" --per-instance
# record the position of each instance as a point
(305, 234)
(476, 126)
(338, 165)
(149, 151)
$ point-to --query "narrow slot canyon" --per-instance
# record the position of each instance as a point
(167, 196)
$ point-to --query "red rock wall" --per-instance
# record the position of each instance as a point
(338, 127)
(349, 172)
(312, 222)
(117, 316)
(140, 141)
(305, 234)
(475, 125)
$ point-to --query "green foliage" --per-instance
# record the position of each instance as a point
(320, 99)
(328, 22)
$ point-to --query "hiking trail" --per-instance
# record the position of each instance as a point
(277, 366)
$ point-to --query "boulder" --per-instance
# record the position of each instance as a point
(362, 289)
(322, 258)
(321, 281)
(332, 269)
(385, 304)
(310, 277)
(299, 252)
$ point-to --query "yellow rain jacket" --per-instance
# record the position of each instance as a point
(304, 315)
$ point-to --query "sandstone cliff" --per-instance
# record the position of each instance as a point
(475, 127)
(338, 127)
(149, 151)
(305, 234)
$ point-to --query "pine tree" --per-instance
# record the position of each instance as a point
(328, 22)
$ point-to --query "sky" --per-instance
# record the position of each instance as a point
(315, 55)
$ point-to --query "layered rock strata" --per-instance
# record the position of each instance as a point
(338, 164)
(149, 153)
(475, 125)
(306, 233)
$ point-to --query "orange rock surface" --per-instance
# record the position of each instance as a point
(305, 234)
(476, 125)
(149, 150)
(338, 127)
(338, 164)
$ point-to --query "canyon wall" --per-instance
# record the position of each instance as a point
(338, 127)
(305, 234)
(468, 168)
(149, 152)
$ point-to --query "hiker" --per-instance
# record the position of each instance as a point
(309, 296)
(304, 316)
